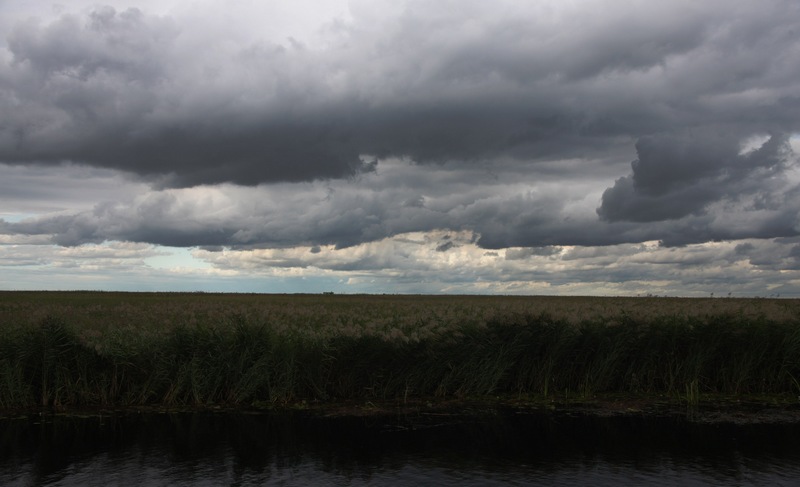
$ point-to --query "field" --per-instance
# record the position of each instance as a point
(85, 349)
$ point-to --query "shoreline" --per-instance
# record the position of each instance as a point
(710, 410)
(740, 411)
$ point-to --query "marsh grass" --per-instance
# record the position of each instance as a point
(239, 351)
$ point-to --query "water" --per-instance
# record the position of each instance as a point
(496, 448)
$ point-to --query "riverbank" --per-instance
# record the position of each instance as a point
(431, 412)
(712, 409)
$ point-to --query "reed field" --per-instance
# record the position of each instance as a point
(90, 349)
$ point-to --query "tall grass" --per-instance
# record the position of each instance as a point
(248, 358)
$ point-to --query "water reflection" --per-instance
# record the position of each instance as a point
(302, 449)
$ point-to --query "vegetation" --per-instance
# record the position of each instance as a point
(119, 349)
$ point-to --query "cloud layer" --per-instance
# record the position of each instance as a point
(467, 82)
(528, 127)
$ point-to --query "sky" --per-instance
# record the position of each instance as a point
(555, 147)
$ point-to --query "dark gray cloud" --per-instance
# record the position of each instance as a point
(136, 91)
(525, 252)
(500, 212)
(25, 191)
(101, 42)
(679, 175)
(116, 95)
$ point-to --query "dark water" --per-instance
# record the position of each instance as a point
(503, 448)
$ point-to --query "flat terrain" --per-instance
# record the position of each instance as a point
(360, 354)
(111, 309)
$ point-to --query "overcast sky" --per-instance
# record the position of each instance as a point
(551, 147)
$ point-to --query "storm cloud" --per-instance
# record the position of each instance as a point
(533, 132)
(470, 82)
(679, 175)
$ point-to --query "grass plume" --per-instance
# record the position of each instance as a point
(341, 349)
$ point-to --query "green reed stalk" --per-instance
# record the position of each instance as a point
(251, 359)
